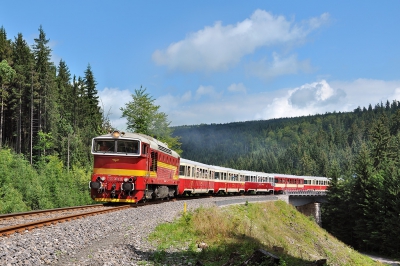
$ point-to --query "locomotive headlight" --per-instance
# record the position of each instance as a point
(126, 179)
(103, 178)
(115, 134)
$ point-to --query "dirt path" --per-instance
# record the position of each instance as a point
(383, 260)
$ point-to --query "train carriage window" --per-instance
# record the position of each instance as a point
(216, 175)
(182, 170)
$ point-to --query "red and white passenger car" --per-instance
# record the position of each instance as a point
(130, 167)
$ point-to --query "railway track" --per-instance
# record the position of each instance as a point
(27, 221)
(21, 222)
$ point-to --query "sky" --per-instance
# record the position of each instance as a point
(207, 62)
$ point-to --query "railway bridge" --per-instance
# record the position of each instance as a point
(306, 202)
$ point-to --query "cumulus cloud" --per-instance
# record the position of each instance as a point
(308, 99)
(239, 87)
(206, 91)
(315, 94)
(171, 102)
(111, 100)
(278, 66)
(321, 97)
(312, 98)
(220, 47)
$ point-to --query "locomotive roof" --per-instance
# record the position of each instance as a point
(154, 143)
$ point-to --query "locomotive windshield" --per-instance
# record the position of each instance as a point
(120, 146)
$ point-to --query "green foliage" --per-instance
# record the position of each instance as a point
(7, 73)
(23, 188)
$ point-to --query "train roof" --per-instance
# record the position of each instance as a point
(154, 143)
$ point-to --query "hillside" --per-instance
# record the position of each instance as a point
(359, 151)
(300, 145)
(233, 233)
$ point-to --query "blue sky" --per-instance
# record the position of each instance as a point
(223, 61)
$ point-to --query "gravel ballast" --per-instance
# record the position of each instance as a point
(117, 238)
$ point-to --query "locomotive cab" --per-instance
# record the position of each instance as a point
(131, 167)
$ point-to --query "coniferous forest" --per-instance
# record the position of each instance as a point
(48, 117)
(47, 120)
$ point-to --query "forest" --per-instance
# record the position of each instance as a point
(47, 120)
(49, 116)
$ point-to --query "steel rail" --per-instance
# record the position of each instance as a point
(38, 212)
(21, 228)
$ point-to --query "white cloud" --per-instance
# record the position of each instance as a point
(220, 47)
(206, 91)
(278, 67)
(169, 102)
(237, 88)
(111, 100)
(321, 97)
(308, 99)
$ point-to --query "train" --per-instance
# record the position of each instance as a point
(133, 167)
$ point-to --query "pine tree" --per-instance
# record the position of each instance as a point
(5, 47)
(46, 109)
(94, 114)
(23, 65)
(7, 74)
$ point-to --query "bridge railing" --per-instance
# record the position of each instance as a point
(304, 192)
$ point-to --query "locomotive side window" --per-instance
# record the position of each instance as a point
(144, 149)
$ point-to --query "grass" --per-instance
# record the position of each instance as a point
(233, 233)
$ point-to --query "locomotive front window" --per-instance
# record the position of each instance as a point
(105, 146)
(128, 146)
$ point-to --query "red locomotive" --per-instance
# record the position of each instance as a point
(129, 167)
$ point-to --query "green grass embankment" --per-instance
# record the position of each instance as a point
(233, 233)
